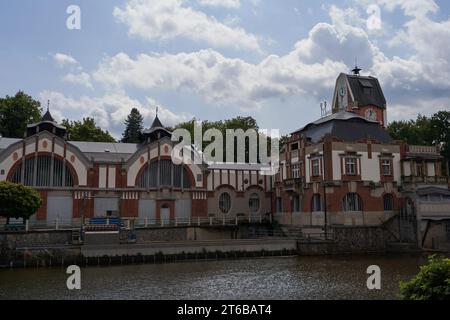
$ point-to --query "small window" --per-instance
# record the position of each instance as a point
(316, 203)
(315, 167)
(225, 203)
(352, 202)
(350, 166)
(253, 203)
(388, 202)
(2, 172)
(386, 167)
(199, 178)
(294, 146)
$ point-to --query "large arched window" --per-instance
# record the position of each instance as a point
(170, 175)
(352, 202)
(388, 202)
(43, 171)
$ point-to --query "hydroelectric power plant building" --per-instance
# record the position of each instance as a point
(343, 169)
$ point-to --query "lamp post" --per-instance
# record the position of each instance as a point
(325, 191)
(85, 197)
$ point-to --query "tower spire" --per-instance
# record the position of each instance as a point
(357, 70)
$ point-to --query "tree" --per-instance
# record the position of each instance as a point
(134, 126)
(431, 283)
(434, 130)
(16, 113)
(86, 130)
(18, 201)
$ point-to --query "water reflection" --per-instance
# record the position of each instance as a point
(273, 278)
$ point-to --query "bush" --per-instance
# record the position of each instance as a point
(431, 283)
(18, 201)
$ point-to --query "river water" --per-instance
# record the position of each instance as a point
(341, 277)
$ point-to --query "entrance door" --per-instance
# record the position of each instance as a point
(59, 209)
(165, 214)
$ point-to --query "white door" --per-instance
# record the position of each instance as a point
(59, 208)
(165, 215)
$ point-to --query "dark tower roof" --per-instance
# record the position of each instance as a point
(156, 123)
(47, 123)
(47, 116)
(156, 131)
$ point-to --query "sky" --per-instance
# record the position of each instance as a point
(215, 59)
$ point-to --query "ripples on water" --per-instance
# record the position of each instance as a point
(273, 278)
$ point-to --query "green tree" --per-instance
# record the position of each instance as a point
(134, 125)
(86, 130)
(434, 130)
(16, 113)
(244, 123)
(18, 201)
(431, 283)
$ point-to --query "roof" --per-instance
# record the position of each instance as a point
(375, 97)
(47, 117)
(6, 142)
(106, 151)
(346, 126)
(156, 123)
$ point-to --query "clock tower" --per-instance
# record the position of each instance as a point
(361, 95)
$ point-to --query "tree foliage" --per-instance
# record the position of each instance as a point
(431, 283)
(16, 113)
(434, 130)
(86, 130)
(134, 125)
(18, 201)
(244, 123)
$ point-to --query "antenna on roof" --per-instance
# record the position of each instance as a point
(48, 105)
(323, 109)
(357, 70)
(156, 110)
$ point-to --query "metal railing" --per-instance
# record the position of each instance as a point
(425, 180)
(67, 225)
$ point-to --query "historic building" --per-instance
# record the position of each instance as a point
(343, 169)
(134, 181)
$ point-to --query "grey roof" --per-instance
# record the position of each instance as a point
(346, 126)
(46, 121)
(157, 123)
(106, 151)
(6, 142)
(376, 96)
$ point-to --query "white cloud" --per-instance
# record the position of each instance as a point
(233, 4)
(169, 19)
(110, 110)
(62, 59)
(83, 79)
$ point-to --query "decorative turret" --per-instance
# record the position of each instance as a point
(47, 123)
(156, 131)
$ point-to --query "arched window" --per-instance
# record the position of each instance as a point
(43, 171)
(170, 175)
(253, 203)
(225, 202)
(388, 202)
(352, 202)
(316, 203)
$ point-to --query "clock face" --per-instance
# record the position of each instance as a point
(342, 91)
(371, 115)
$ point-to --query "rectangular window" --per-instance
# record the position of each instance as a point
(315, 168)
(386, 167)
(294, 146)
(350, 166)
(296, 171)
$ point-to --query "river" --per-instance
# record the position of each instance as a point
(342, 277)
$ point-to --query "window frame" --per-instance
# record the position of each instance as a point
(347, 166)
(228, 202)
